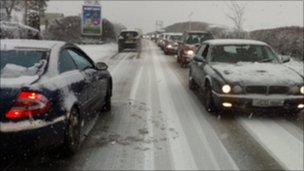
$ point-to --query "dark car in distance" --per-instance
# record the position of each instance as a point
(245, 74)
(190, 43)
(51, 93)
(128, 39)
(171, 43)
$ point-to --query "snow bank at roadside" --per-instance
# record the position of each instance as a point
(99, 52)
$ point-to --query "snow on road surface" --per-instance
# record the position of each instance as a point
(99, 52)
(282, 145)
(157, 123)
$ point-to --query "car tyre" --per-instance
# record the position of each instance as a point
(208, 101)
(108, 105)
(192, 84)
(73, 133)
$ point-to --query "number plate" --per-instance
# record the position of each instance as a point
(129, 41)
(267, 103)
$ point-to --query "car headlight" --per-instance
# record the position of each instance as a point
(190, 52)
(226, 89)
(302, 90)
(169, 46)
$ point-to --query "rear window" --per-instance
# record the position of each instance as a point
(19, 63)
(129, 34)
(198, 38)
(175, 38)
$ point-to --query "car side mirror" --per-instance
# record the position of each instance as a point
(101, 66)
(285, 59)
(199, 59)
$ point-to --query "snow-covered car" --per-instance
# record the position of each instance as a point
(191, 41)
(128, 39)
(51, 93)
(245, 74)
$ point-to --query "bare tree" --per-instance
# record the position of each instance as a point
(237, 15)
(8, 6)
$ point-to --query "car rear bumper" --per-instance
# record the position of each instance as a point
(31, 135)
(289, 102)
(129, 45)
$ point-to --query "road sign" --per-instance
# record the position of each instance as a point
(91, 20)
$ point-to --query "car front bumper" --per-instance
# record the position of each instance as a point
(243, 101)
(30, 135)
(172, 50)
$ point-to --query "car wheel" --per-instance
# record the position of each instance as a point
(108, 105)
(73, 133)
(209, 102)
(192, 84)
(183, 65)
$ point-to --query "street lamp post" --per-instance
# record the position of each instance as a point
(189, 16)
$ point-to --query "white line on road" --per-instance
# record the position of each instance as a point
(279, 143)
(114, 70)
(148, 154)
(181, 153)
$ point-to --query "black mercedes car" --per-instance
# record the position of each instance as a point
(51, 93)
(128, 39)
(245, 74)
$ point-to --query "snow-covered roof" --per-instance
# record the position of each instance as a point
(173, 34)
(9, 44)
(234, 42)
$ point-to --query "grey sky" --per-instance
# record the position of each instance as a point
(143, 14)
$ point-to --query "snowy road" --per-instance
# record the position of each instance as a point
(158, 123)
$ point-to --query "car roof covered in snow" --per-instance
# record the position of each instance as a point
(234, 42)
(11, 44)
(197, 32)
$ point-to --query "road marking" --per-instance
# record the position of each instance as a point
(149, 154)
(182, 157)
(114, 70)
(278, 142)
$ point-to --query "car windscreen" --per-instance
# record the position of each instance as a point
(175, 37)
(198, 38)
(16, 63)
(130, 34)
(242, 53)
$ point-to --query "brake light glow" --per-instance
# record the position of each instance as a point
(28, 104)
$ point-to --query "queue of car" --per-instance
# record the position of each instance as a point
(238, 74)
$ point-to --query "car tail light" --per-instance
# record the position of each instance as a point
(28, 104)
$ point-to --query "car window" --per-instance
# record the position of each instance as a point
(205, 52)
(65, 62)
(242, 53)
(81, 62)
(201, 49)
(15, 63)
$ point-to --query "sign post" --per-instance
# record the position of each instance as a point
(91, 24)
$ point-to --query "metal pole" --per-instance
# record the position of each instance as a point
(25, 12)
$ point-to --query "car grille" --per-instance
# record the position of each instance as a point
(278, 90)
(256, 89)
(267, 90)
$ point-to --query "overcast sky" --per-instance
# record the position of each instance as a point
(143, 14)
